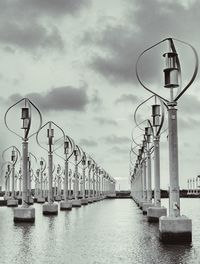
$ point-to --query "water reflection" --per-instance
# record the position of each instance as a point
(112, 231)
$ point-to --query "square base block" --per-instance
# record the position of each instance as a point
(76, 203)
(84, 201)
(30, 201)
(40, 200)
(94, 199)
(175, 230)
(145, 207)
(66, 205)
(90, 200)
(23, 214)
(12, 203)
(154, 213)
(58, 198)
(50, 209)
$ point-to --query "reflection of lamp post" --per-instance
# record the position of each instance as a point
(24, 213)
(174, 227)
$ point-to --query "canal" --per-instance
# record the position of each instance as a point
(108, 232)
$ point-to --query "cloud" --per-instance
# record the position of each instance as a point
(189, 104)
(88, 142)
(105, 121)
(113, 139)
(30, 25)
(188, 123)
(58, 99)
(30, 36)
(127, 98)
(117, 150)
(119, 44)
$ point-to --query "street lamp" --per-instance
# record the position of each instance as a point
(25, 213)
(50, 207)
(15, 155)
(174, 227)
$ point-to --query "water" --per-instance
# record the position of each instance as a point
(107, 232)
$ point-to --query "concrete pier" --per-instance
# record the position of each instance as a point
(145, 207)
(50, 209)
(175, 230)
(12, 202)
(65, 205)
(154, 213)
(24, 214)
(84, 201)
(76, 203)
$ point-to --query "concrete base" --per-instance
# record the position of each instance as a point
(50, 209)
(12, 202)
(90, 200)
(66, 205)
(84, 201)
(40, 200)
(175, 230)
(94, 199)
(154, 213)
(31, 201)
(58, 198)
(145, 206)
(23, 214)
(76, 203)
(6, 197)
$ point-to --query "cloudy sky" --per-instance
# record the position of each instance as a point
(76, 61)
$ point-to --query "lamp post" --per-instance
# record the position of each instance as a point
(59, 172)
(84, 200)
(68, 151)
(15, 154)
(50, 207)
(78, 158)
(174, 227)
(40, 197)
(24, 213)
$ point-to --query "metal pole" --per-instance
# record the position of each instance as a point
(157, 197)
(149, 191)
(13, 181)
(66, 195)
(83, 183)
(76, 180)
(174, 210)
(25, 172)
(50, 169)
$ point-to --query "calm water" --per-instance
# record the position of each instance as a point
(107, 232)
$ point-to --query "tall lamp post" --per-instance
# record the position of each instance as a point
(15, 155)
(24, 213)
(50, 207)
(68, 151)
(173, 228)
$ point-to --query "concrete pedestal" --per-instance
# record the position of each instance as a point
(84, 201)
(94, 199)
(76, 203)
(90, 200)
(30, 201)
(175, 230)
(12, 202)
(154, 213)
(6, 197)
(24, 214)
(40, 200)
(145, 206)
(50, 209)
(65, 205)
(58, 198)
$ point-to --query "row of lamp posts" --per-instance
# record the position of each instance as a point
(99, 185)
(173, 228)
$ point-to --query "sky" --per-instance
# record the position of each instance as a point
(75, 59)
